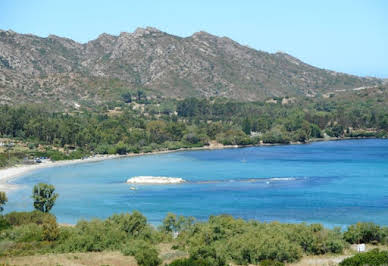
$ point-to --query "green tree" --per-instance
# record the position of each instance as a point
(44, 197)
(3, 200)
(141, 95)
(169, 223)
(246, 126)
(127, 97)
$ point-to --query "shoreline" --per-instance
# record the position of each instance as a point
(10, 173)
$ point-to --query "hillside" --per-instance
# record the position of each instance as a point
(62, 71)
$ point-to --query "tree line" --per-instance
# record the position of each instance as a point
(188, 123)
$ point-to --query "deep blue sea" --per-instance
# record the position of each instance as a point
(335, 183)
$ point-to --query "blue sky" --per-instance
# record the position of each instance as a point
(342, 35)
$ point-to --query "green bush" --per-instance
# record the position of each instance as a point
(4, 224)
(234, 137)
(316, 240)
(363, 233)
(110, 234)
(373, 257)
(335, 131)
(361, 134)
(21, 218)
(271, 263)
(208, 254)
(190, 262)
(253, 247)
(144, 253)
(173, 145)
(95, 235)
(102, 149)
(132, 224)
(275, 136)
(50, 229)
(24, 233)
(252, 242)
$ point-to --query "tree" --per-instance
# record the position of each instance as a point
(246, 126)
(169, 223)
(127, 97)
(3, 200)
(140, 95)
(44, 197)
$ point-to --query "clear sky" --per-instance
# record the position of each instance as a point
(342, 35)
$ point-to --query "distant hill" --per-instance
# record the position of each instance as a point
(60, 70)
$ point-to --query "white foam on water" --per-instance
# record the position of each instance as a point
(155, 180)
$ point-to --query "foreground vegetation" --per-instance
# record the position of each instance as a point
(138, 124)
(218, 241)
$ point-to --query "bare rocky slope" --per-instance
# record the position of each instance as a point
(60, 70)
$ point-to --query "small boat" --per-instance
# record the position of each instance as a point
(133, 188)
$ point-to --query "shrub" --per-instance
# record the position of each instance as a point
(233, 137)
(275, 136)
(21, 218)
(131, 224)
(98, 235)
(335, 131)
(361, 134)
(271, 263)
(252, 242)
(121, 148)
(363, 233)
(373, 257)
(191, 138)
(190, 262)
(50, 229)
(315, 131)
(143, 252)
(102, 149)
(24, 233)
(95, 235)
(209, 255)
(173, 145)
(315, 239)
(4, 224)
(254, 247)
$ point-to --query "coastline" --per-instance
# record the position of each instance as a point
(7, 174)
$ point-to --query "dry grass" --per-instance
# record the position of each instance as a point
(72, 259)
(167, 254)
(320, 260)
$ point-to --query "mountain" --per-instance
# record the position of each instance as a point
(60, 70)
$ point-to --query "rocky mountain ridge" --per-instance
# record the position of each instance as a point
(57, 69)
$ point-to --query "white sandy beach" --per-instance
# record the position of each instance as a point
(7, 174)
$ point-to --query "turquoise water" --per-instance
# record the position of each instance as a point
(334, 183)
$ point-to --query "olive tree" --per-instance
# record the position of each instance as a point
(44, 197)
(3, 200)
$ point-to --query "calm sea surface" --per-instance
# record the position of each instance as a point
(334, 183)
